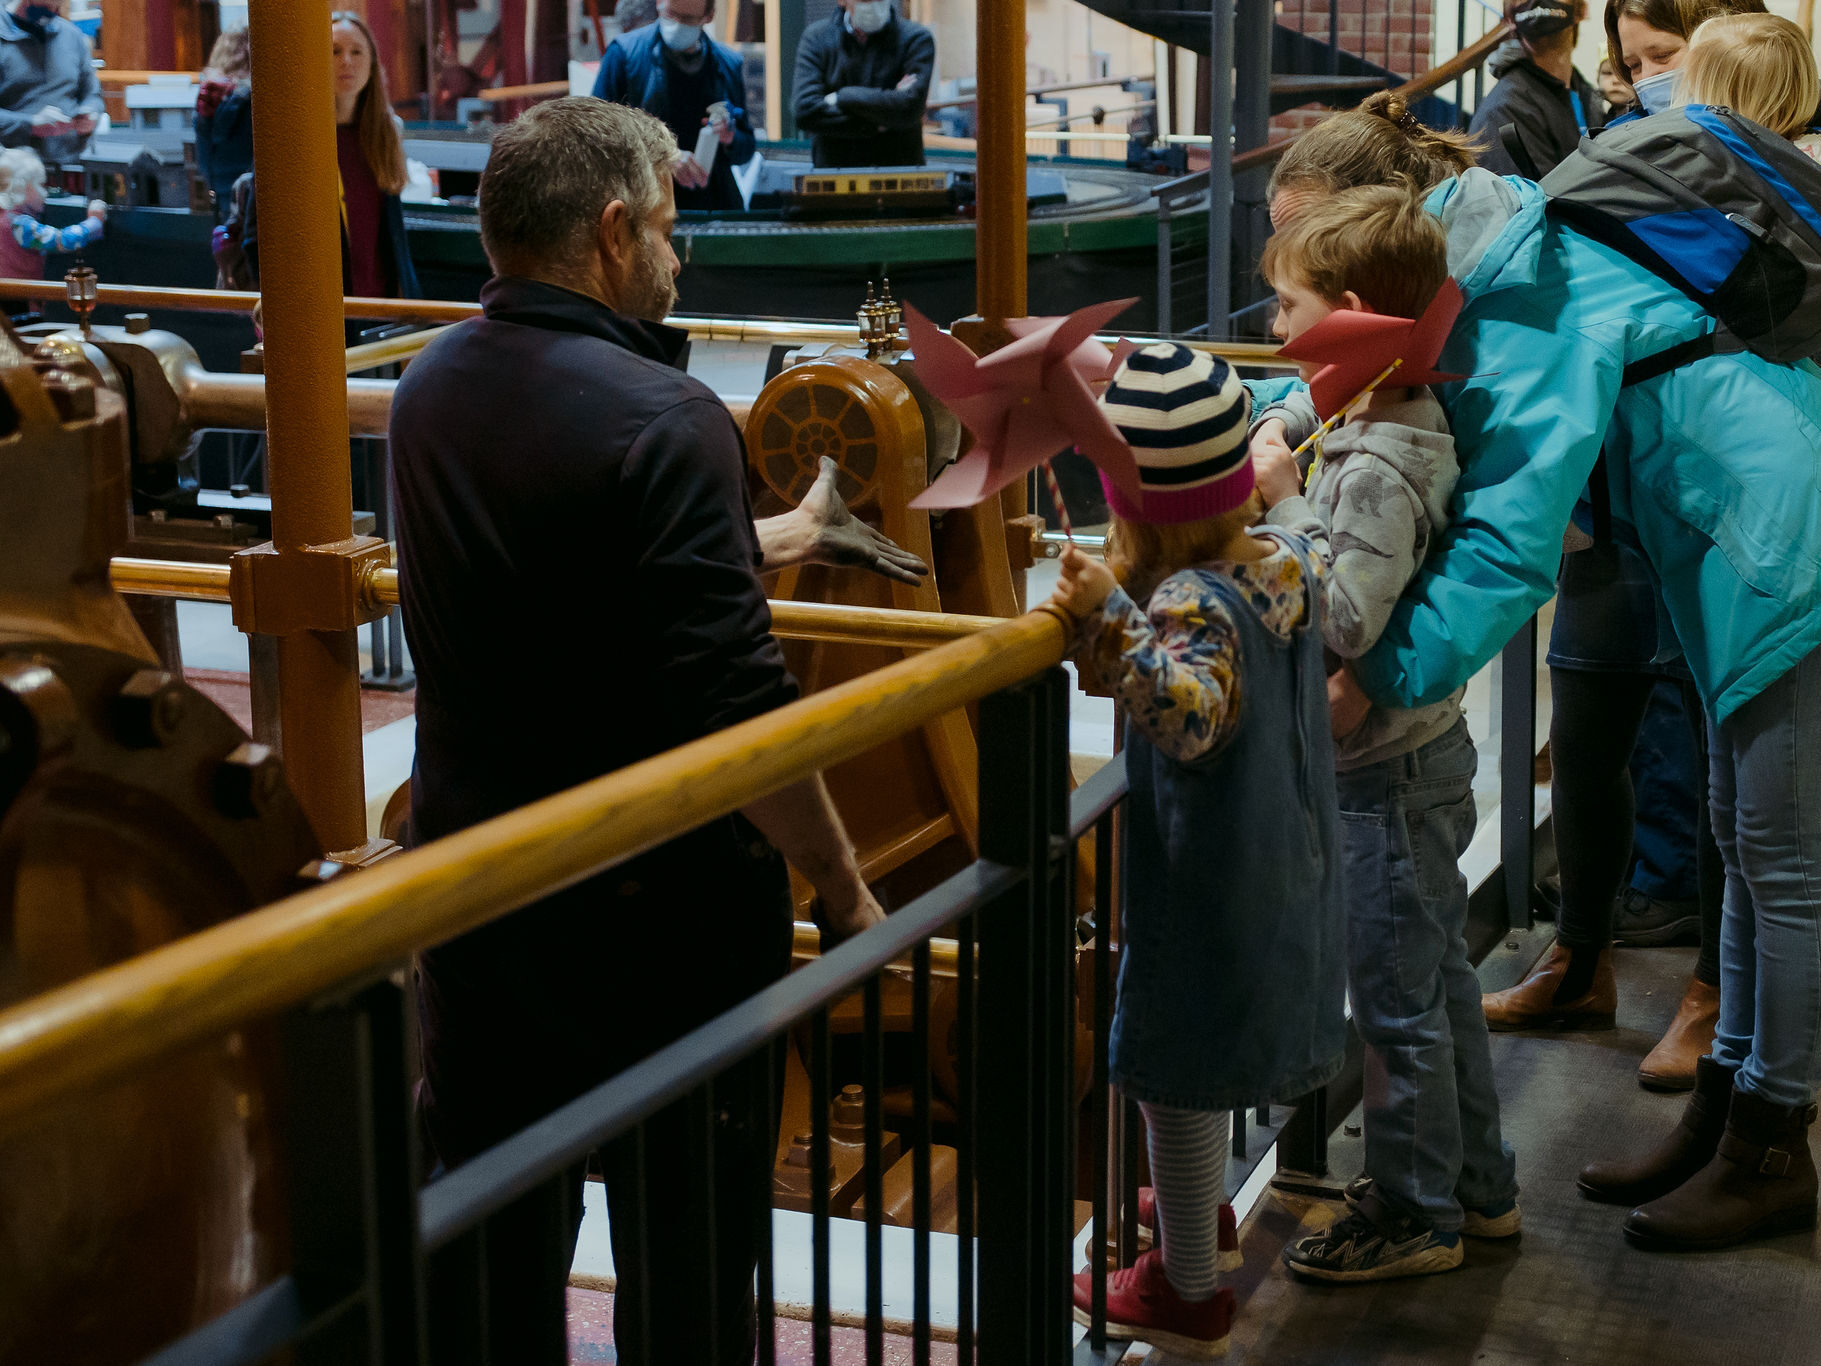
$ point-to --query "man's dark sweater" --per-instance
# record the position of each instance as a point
(874, 123)
(1539, 108)
(577, 571)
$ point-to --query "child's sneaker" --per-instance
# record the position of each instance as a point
(1227, 1257)
(1503, 1219)
(1374, 1246)
(1142, 1306)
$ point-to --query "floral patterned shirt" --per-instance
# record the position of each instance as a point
(1175, 666)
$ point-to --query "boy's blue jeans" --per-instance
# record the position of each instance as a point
(1432, 1116)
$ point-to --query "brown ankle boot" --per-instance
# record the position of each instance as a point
(1688, 1147)
(1531, 1004)
(1759, 1184)
(1690, 1037)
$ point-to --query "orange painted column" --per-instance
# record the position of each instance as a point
(307, 399)
(1002, 248)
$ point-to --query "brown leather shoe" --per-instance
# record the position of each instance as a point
(1684, 1151)
(1670, 1066)
(1532, 1004)
(1759, 1184)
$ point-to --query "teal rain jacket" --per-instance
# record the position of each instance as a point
(1714, 468)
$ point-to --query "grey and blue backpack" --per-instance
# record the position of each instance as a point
(1723, 209)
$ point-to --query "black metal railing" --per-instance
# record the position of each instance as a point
(364, 1233)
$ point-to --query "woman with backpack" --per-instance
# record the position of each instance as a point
(1625, 708)
(1729, 520)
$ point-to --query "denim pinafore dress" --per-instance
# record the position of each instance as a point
(1232, 976)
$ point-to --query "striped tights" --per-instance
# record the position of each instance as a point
(1188, 1151)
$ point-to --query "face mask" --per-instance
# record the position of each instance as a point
(679, 36)
(869, 16)
(1656, 93)
(37, 16)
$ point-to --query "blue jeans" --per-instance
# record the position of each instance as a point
(1432, 1116)
(1766, 791)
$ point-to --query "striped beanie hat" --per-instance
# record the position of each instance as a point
(1186, 416)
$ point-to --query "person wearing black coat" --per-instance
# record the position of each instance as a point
(862, 83)
(1541, 107)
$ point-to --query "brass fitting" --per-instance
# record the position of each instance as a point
(310, 588)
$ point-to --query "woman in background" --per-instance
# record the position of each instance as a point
(376, 257)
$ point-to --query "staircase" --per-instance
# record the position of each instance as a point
(1294, 61)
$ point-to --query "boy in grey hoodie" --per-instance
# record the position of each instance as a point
(1377, 495)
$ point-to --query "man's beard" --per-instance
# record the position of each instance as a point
(652, 291)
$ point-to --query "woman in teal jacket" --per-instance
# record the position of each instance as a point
(1715, 477)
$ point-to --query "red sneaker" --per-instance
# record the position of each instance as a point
(1229, 1257)
(1142, 1306)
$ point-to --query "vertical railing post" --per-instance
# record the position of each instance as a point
(1026, 1040)
(1220, 167)
(1166, 286)
(1517, 775)
(355, 1251)
(1253, 28)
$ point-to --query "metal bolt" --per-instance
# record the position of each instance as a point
(48, 707)
(138, 322)
(238, 490)
(157, 515)
(225, 520)
(149, 709)
(248, 781)
(320, 870)
(72, 395)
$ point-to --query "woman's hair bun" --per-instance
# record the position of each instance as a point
(1392, 108)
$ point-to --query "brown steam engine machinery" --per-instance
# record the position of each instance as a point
(133, 811)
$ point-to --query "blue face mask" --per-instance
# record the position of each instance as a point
(678, 36)
(37, 17)
(1656, 93)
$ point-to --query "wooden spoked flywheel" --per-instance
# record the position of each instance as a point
(857, 413)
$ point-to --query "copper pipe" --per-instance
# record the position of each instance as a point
(233, 402)
(806, 943)
(241, 301)
(306, 400)
(1058, 88)
(1001, 249)
(372, 355)
(169, 579)
(110, 1024)
(197, 582)
(542, 90)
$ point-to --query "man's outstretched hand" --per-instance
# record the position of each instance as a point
(821, 530)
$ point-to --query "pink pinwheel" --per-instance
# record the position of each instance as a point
(1023, 403)
(1353, 347)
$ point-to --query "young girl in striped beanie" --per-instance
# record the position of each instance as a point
(1231, 976)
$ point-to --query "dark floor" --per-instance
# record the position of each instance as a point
(591, 1338)
(1570, 1289)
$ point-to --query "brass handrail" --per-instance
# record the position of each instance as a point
(777, 330)
(832, 621)
(102, 1027)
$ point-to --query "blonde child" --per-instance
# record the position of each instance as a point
(1436, 1163)
(1758, 65)
(1231, 975)
(26, 242)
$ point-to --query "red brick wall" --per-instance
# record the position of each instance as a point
(1395, 34)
